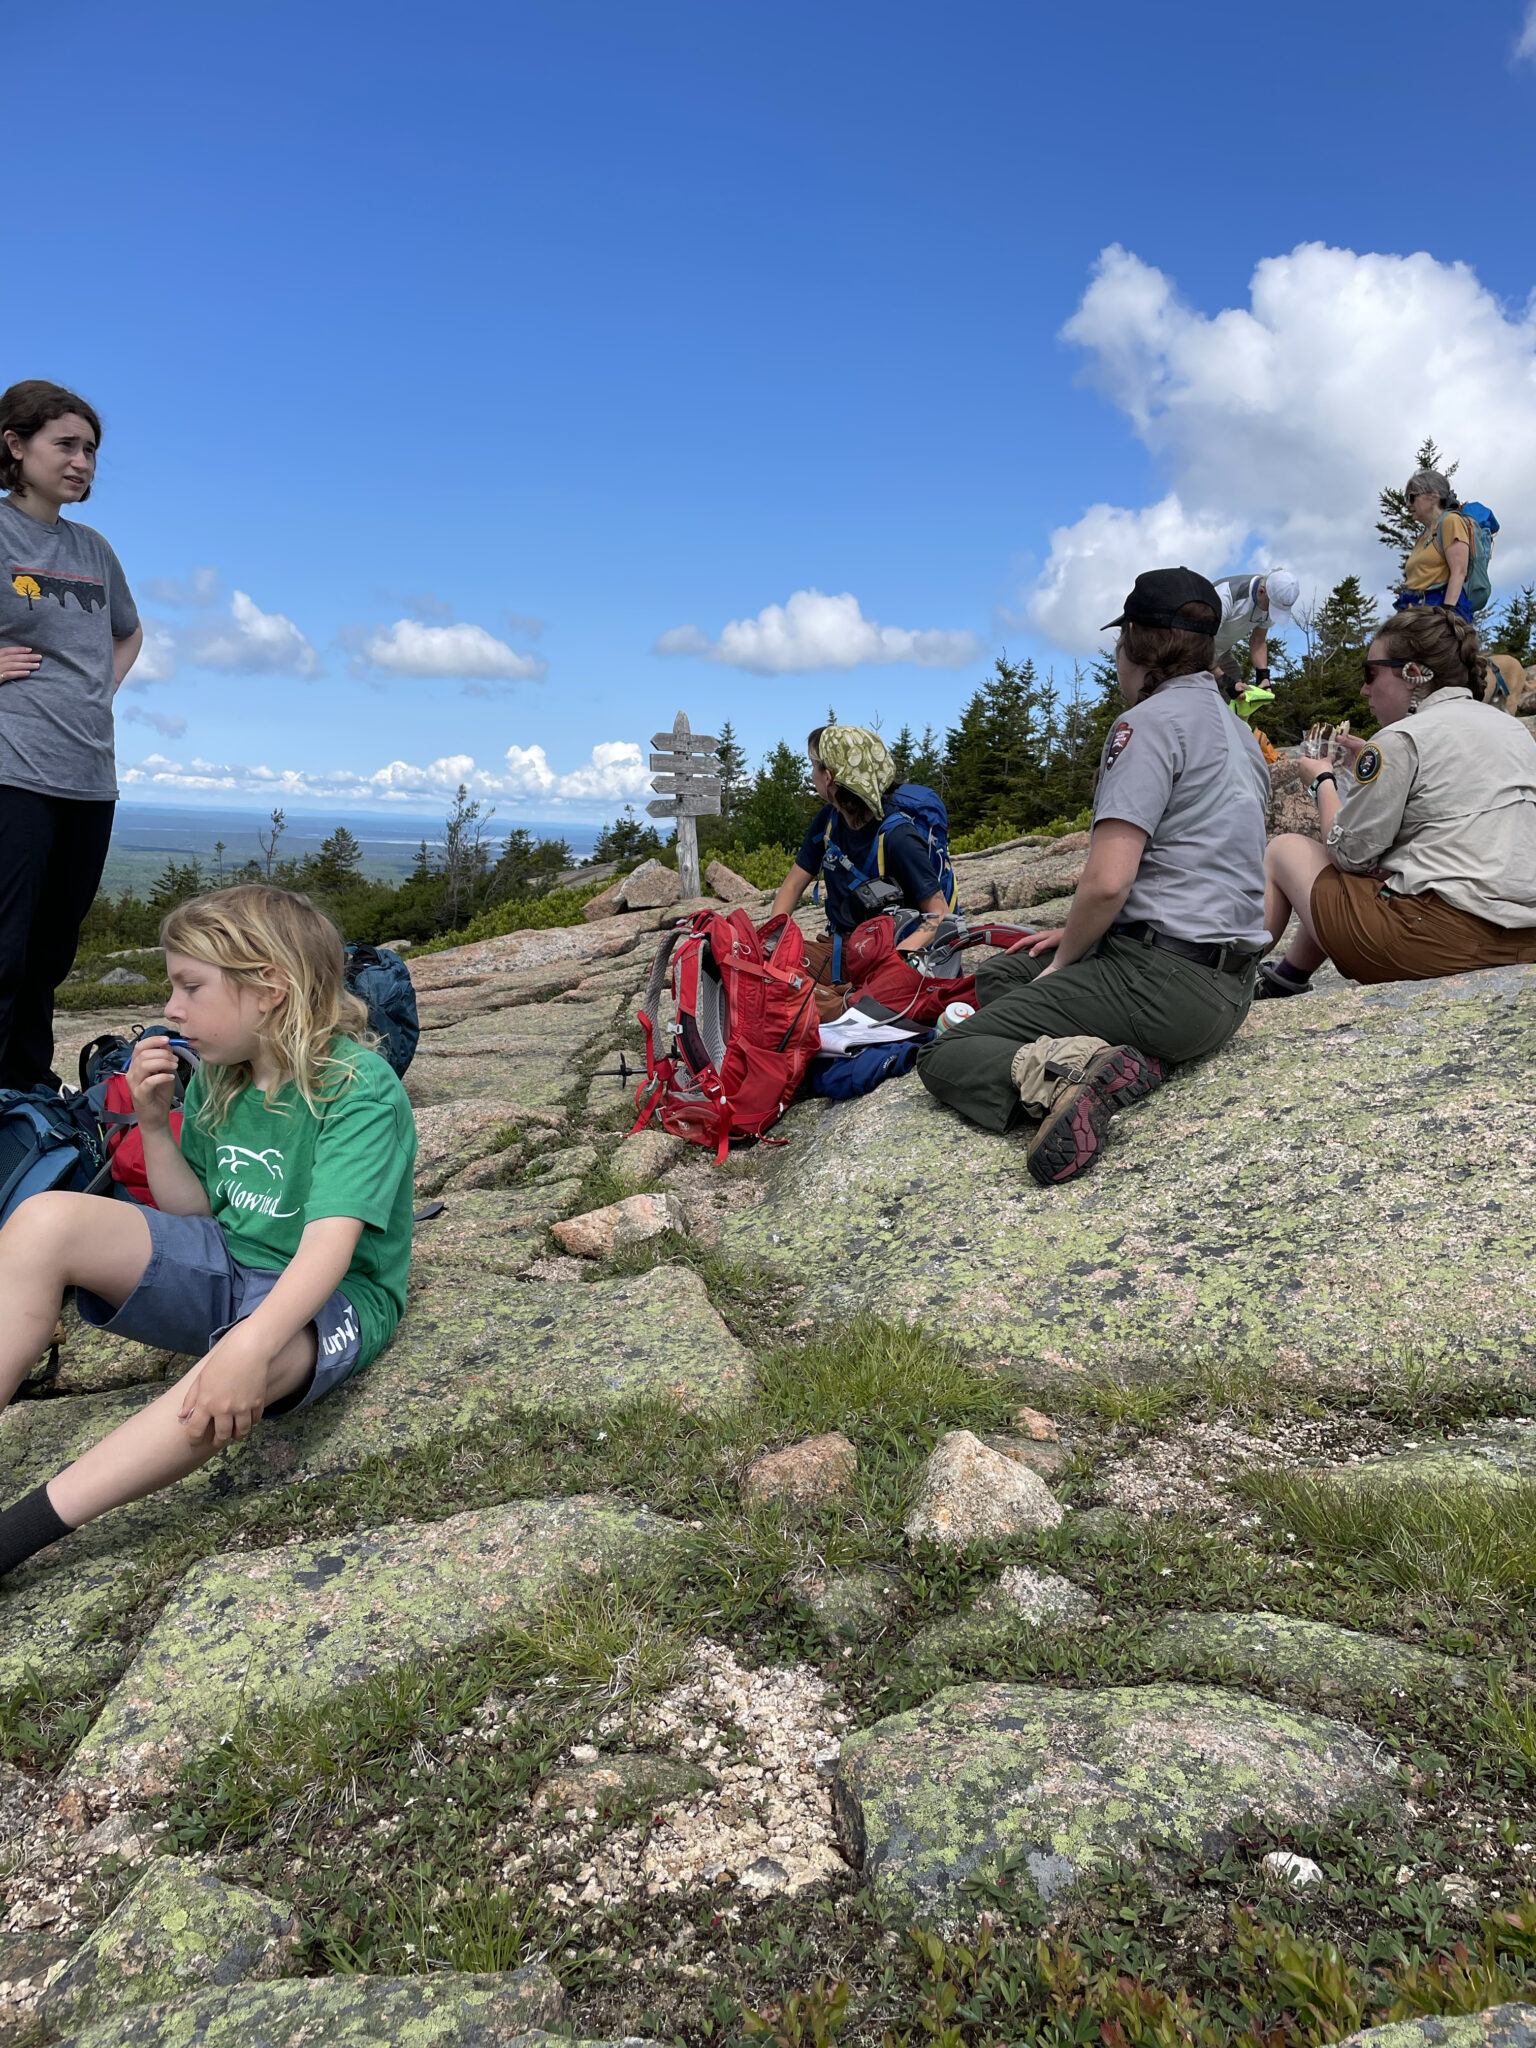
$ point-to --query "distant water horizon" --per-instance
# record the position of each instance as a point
(146, 836)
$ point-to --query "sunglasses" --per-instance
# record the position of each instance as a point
(1368, 669)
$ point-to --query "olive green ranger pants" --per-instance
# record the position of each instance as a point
(1124, 992)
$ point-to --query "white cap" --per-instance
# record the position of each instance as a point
(1282, 590)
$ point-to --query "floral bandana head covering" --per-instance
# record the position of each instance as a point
(858, 760)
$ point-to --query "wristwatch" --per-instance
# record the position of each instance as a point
(1261, 675)
(1326, 776)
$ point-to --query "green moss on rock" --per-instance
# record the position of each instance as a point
(178, 1931)
(1059, 1780)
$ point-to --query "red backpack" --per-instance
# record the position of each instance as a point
(745, 1028)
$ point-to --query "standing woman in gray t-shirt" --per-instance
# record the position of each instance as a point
(69, 633)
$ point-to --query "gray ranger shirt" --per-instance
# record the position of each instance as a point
(64, 594)
(1184, 767)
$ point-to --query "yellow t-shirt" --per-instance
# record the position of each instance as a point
(1427, 568)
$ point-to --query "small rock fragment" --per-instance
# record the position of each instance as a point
(809, 1471)
(968, 1492)
(1290, 1869)
(1043, 1596)
(1034, 1424)
(637, 1217)
(117, 1836)
(123, 977)
(1457, 1889)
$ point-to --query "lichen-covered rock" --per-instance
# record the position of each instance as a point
(1060, 1780)
(1493, 1454)
(454, 1135)
(620, 1779)
(519, 1059)
(1047, 1459)
(1038, 880)
(1002, 1617)
(1291, 809)
(810, 1471)
(1499, 2026)
(442, 2011)
(601, 1232)
(180, 1930)
(91, 1361)
(253, 1630)
(1213, 1216)
(970, 1494)
(644, 1155)
(1336, 1661)
(492, 1230)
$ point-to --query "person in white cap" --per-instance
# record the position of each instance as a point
(1252, 605)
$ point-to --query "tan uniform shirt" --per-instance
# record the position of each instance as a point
(1446, 800)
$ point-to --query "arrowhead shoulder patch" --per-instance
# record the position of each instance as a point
(1368, 764)
(1119, 740)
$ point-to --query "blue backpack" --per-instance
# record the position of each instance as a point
(921, 807)
(47, 1141)
(1479, 583)
(382, 979)
(842, 1076)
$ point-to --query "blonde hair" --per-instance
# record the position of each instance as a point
(259, 936)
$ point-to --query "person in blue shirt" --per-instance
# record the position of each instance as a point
(858, 839)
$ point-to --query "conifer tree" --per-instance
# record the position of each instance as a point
(1514, 630)
(1397, 526)
(733, 769)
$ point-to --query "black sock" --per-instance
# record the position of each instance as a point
(1295, 974)
(31, 1525)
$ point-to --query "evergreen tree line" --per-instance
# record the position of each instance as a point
(1021, 756)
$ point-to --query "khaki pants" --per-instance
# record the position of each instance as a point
(1373, 935)
(1126, 994)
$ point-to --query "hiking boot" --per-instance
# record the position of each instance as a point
(1270, 983)
(1072, 1135)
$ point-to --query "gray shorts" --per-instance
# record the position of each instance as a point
(192, 1292)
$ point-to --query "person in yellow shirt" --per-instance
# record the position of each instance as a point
(1436, 571)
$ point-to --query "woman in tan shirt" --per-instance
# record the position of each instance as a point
(1436, 571)
(1429, 866)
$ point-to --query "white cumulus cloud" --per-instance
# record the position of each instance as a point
(814, 631)
(1278, 423)
(203, 587)
(250, 641)
(463, 652)
(615, 772)
(1526, 45)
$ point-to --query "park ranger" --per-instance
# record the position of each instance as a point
(1156, 960)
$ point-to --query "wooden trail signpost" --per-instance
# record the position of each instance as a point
(687, 782)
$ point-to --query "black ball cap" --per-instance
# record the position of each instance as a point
(1157, 595)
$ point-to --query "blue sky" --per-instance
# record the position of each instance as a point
(473, 354)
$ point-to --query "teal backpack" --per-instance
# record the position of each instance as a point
(1479, 585)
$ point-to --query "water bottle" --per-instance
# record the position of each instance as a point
(953, 1013)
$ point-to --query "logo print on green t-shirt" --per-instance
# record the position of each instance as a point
(251, 1182)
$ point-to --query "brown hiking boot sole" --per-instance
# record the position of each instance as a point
(1072, 1136)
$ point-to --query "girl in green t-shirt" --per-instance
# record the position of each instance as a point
(278, 1248)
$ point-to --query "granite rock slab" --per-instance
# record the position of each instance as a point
(1060, 1779)
(1498, 2026)
(179, 1931)
(450, 2010)
(1214, 1214)
(473, 1348)
(254, 1630)
(1338, 1662)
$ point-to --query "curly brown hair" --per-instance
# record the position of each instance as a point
(26, 409)
(1441, 641)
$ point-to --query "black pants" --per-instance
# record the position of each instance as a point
(52, 852)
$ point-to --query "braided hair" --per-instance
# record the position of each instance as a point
(1441, 641)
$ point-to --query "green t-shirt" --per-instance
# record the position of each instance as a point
(270, 1169)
